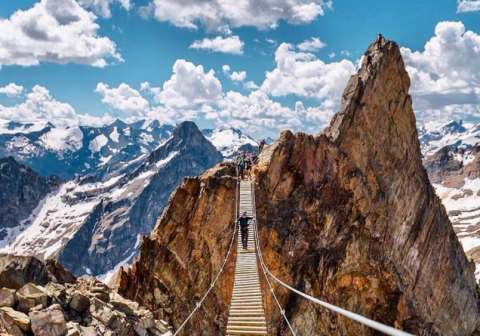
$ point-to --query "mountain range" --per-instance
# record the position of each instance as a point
(116, 179)
(93, 223)
(452, 158)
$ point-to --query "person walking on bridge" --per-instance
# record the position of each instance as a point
(244, 221)
(240, 161)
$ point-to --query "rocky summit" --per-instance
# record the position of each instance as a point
(348, 216)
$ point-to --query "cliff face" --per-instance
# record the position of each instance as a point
(177, 264)
(365, 227)
(347, 216)
(20, 192)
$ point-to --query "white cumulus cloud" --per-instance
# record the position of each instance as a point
(227, 45)
(445, 76)
(239, 77)
(190, 88)
(192, 92)
(102, 7)
(39, 105)
(216, 14)
(11, 90)
(123, 98)
(313, 44)
(304, 75)
(465, 6)
(57, 31)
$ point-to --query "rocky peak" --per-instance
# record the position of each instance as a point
(347, 216)
(119, 123)
(129, 206)
(187, 138)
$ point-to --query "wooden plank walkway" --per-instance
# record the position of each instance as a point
(247, 316)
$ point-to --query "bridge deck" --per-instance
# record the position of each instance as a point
(247, 316)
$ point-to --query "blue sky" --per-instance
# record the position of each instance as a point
(145, 49)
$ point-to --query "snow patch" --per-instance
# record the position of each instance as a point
(96, 144)
(66, 139)
(114, 135)
(229, 141)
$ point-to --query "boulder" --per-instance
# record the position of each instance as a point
(102, 311)
(30, 296)
(49, 322)
(101, 292)
(79, 302)
(58, 292)
(7, 297)
(60, 273)
(17, 271)
(13, 321)
(124, 305)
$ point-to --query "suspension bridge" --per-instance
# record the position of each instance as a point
(246, 313)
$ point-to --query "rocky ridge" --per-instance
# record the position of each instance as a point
(51, 306)
(347, 216)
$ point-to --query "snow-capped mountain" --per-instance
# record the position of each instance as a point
(452, 159)
(93, 225)
(460, 137)
(66, 152)
(230, 141)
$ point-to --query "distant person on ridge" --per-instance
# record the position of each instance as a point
(248, 162)
(240, 165)
(369, 62)
(261, 145)
(379, 41)
(254, 158)
(244, 224)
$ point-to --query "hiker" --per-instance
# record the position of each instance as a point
(379, 42)
(244, 223)
(254, 158)
(261, 145)
(248, 162)
(240, 165)
(369, 62)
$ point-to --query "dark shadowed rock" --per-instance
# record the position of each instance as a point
(21, 191)
(60, 273)
(17, 271)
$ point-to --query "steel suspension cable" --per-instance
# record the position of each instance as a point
(198, 304)
(356, 317)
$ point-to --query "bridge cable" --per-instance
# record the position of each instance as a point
(356, 317)
(198, 304)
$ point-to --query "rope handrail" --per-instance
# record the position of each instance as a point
(356, 317)
(198, 304)
(257, 242)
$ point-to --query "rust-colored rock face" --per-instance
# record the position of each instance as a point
(180, 260)
(347, 216)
